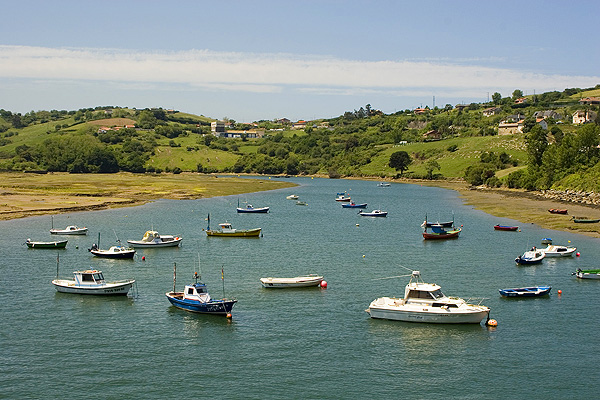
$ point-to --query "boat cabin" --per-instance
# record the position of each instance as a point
(196, 291)
(88, 277)
(227, 228)
(150, 236)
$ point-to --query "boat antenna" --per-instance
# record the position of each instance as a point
(196, 274)
(57, 262)
(52, 216)
(174, 275)
(98, 239)
(208, 224)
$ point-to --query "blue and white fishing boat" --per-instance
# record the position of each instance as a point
(533, 256)
(251, 209)
(195, 298)
(374, 213)
(533, 291)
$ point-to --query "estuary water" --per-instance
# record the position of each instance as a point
(302, 343)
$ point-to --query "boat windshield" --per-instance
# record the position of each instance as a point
(98, 277)
(437, 294)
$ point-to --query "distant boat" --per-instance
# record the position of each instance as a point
(383, 184)
(354, 205)
(250, 209)
(587, 273)
(92, 282)
(228, 231)
(70, 230)
(342, 197)
(59, 244)
(301, 203)
(119, 251)
(558, 211)
(534, 291)
(440, 230)
(299, 281)
(374, 213)
(152, 239)
(195, 298)
(292, 197)
(533, 256)
(505, 228)
(558, 251)
(584, 220)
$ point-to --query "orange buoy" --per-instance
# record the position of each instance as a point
(559, 291)
(228, 315)
(492, 322)
(323, 284)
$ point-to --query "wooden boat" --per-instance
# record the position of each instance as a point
(228, 231)
(152, 239)
(534, 291)
(195, 298)
(59, 244)
(374, 213)
(425, 302)
(558, 211)
(438, 232)
(533, 256)
(584, 220)
(342, 197)
(506, 228)
(587, 273)
(558, 251)
(299, 281)
(354, 205)
(92, 282)
(292, 197)
(70, 230)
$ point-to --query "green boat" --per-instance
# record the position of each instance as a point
(587, 273)
(59, 244)
(584, 220)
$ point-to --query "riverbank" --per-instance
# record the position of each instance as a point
(24, 195)
(526, 207)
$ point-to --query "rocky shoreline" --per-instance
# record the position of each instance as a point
(570, 196)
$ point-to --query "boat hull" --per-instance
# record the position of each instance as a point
(47, 245)
(585, 221)
(107, 254)
(557, 211)
(440, 236)
(108, 289)
(380, 214)
(303, 281)
(263, 210)
(536, 291)
(505, 228)
(237, 233)
(441, 317)
(151, 245)
(364, 205)
(215, 307)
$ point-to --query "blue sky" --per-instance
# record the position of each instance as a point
(259, 59)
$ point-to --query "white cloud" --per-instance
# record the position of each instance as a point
(274, 73)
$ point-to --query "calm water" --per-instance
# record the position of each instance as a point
(311, 343)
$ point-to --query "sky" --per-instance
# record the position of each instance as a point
(303, 59)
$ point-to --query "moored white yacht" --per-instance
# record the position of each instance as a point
(425, 302)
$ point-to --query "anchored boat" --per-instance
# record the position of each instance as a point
(92, 282)
(425, 302)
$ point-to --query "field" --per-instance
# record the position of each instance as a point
(23, 195)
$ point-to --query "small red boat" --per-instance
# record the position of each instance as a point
(557, 211)
(506, 228)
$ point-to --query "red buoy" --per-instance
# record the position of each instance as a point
(577, 254)
(143, 258)
(559, 291)
(324, 284)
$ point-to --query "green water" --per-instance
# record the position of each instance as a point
(311, 343)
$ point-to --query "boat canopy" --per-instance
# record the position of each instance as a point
(150, 236)
(89, 276)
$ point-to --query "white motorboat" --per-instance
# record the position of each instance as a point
(70, 230)
(292, 197)
(92, 282)
(153, 239)
(374, 213)
(558, 251)
(113, 252)
(533, 256)
(425, 302)
(299, 281)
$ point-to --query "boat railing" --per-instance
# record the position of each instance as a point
(476, 300)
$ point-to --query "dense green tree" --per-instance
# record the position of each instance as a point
(517, 94)
(430, 166)
(537, 143)
(400, 161)
(496, 98)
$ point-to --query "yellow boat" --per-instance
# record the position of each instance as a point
(228, 231)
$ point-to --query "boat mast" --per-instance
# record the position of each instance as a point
(223, 280)
(57, 261)
(174, 275)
